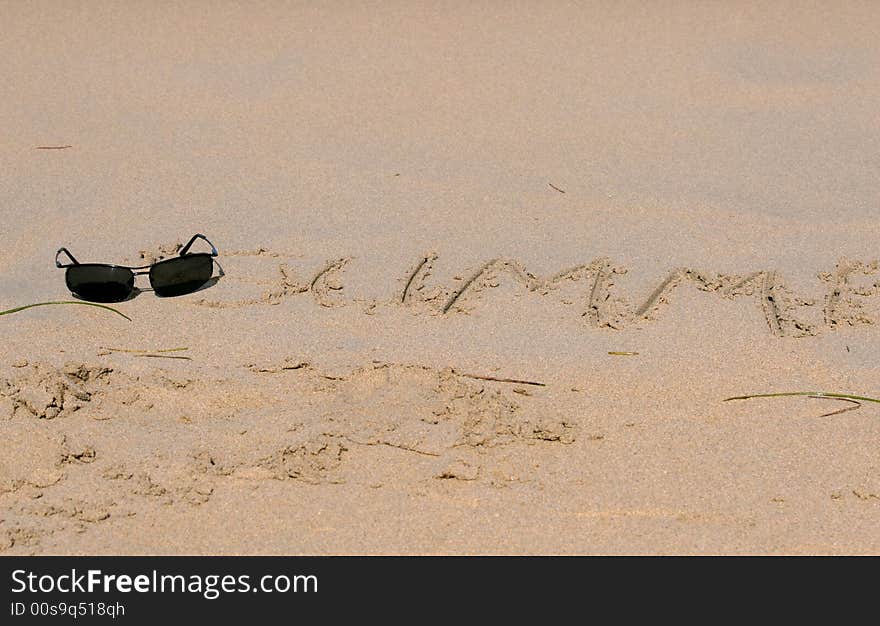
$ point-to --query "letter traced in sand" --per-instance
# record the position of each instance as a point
(603, 308)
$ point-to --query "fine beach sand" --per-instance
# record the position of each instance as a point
(410, 198)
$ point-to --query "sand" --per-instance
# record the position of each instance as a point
(410, 198)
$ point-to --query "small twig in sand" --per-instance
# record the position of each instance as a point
(30, 306)
(165, 356)
(556, 188)
(623, 353)
(382, 442)
(514, 381)
(819, 395)
(53, 147)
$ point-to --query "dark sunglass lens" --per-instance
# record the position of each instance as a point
(100, 283)
(182, 275)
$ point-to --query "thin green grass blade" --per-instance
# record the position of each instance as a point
(132, 351)
(821, 394)
(30, 306)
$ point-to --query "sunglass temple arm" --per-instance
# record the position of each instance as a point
(69, 256)
(186, 248)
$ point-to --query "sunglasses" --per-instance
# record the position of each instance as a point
(101, 282)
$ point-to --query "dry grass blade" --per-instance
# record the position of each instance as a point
(495, 379)
(818, 395)
(814, 394)
(30, 306)
(133, 351)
